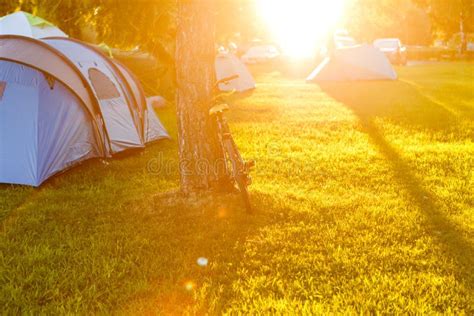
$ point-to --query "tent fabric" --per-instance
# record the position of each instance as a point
(104, 87)
(153, 129)
(26, 24)
(123, 81)
(42, 131)
(135, 88)
(228, 65)
(118, 113)
(36, 54)
(362, 62)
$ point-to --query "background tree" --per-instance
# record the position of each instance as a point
(447, 16)
(147, 25)
(371, 19)
(237, 20)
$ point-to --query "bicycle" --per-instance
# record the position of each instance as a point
(236, 168)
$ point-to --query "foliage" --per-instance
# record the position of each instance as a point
(371, 19)
(414, 21)
(237, 20)
(146, 25)
(446, 15)
(364, 199)
(127, 24)
(151, 24)
(124, 24)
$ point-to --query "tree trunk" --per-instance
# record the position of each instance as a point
(199, 152)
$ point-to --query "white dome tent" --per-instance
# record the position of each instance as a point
(62, 102)
(363, 62)
(228, 65)
(26, 24)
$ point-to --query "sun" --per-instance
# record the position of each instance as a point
(300, 26)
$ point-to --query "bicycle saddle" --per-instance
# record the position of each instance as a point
(220, 108)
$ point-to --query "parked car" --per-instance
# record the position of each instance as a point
(393, 49)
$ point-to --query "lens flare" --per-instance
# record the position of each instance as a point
(189, 285)
(202, 261)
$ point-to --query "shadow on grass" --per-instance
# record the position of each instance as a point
(92, 171)
(12, 197)
(398, 101)
(428, 114)
(126, 252)
(216, 228)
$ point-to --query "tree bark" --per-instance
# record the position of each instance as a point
(199, 152)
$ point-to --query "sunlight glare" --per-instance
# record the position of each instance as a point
(300, 26)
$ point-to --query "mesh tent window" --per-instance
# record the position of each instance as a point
(103, 86)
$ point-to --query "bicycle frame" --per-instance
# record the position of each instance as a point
(236, 169)
(229, 147)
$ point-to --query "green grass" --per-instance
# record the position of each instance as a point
(364, 198)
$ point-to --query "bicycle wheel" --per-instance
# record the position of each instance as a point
(238, 171)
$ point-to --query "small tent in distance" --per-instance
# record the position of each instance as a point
(228, 65)
(26, 24)
(363, 62)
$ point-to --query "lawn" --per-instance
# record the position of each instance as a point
(364, 199)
